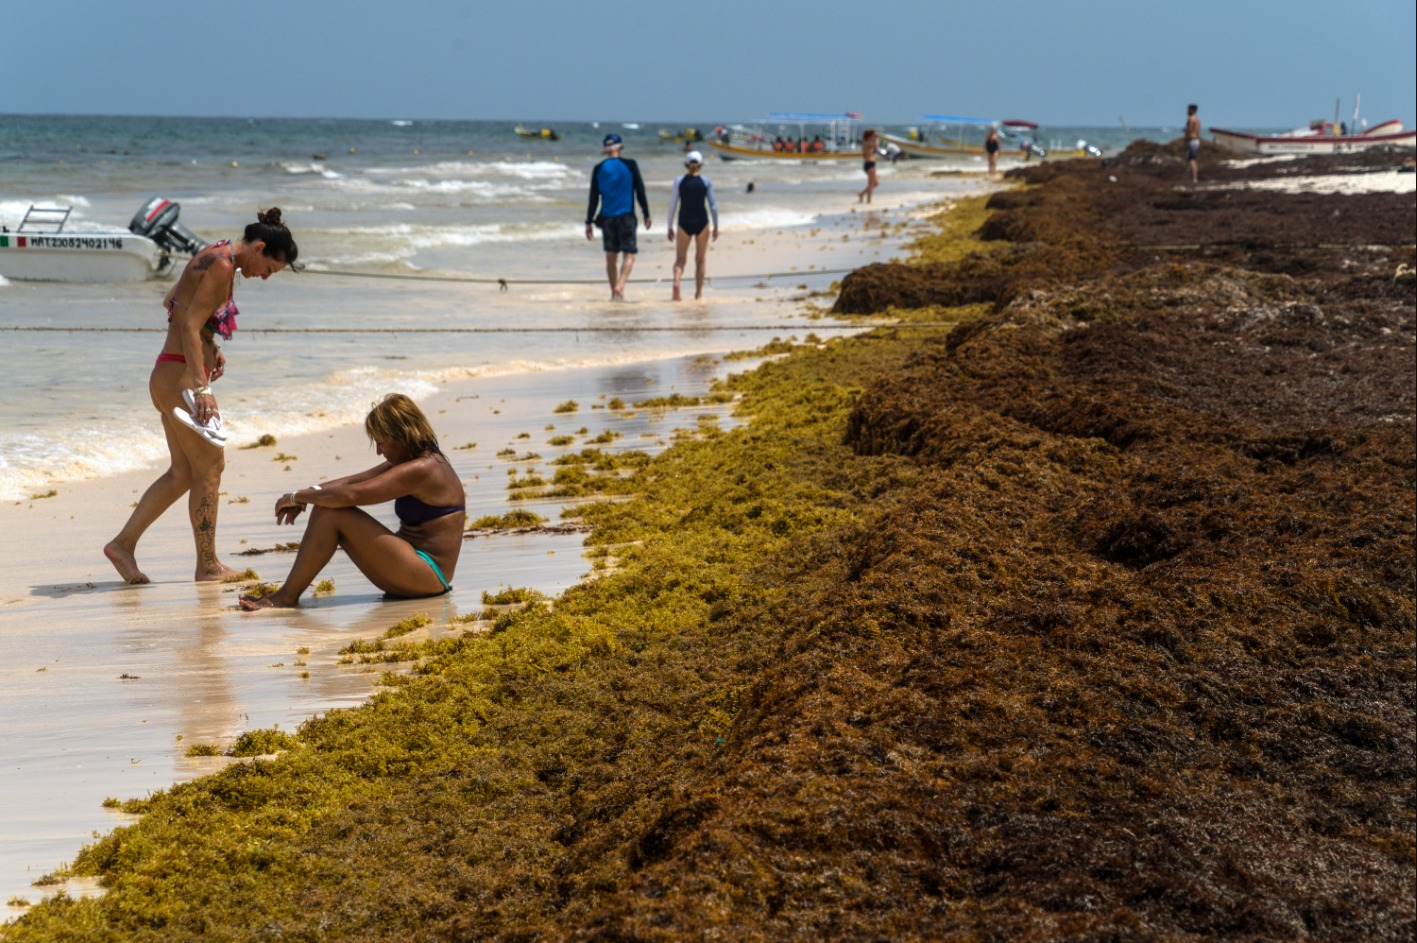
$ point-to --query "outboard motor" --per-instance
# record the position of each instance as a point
(157, 220)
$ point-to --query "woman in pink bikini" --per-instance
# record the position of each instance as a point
(199, 307)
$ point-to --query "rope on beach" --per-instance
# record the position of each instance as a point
(503, 283)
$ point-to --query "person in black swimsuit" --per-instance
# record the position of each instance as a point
(869, 143)
(991, 148)
(416, 560)
(692, 194)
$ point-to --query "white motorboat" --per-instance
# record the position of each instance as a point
(1319, 138)
(40, 249)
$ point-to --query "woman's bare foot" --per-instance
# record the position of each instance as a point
(214, 573)
(125, 563)
(677, 295)
(272, 601)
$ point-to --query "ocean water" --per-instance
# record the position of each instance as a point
(405, 229)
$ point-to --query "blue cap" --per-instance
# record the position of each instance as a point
(611, 140)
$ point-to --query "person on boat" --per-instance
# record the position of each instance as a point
(615, 185)
(692, 195)
(777, 144)
(201, 306)
(869, 143)
(1193, 142)
(415, 561)
(991, 148)
(818, 145)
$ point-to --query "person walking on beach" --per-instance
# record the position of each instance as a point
(1193, 142)
(199, 307)
(991, 148)
(692, 194)
(869, 144)
(415, 561)
(615, 185)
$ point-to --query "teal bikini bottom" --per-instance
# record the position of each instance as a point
(436, 571)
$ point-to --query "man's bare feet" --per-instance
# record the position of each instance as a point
(125, 563)
(699, 295)
(215, 573)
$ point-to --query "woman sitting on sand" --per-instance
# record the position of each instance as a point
(418, 559)
(199, 307)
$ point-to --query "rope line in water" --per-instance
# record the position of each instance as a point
(505, 282)
(781, 328)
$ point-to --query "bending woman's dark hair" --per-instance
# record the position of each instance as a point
(268, 228)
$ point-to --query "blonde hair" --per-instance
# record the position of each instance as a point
(396, 418)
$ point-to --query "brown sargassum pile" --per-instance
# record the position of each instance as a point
(1149, 671)
(1128, 654)
(1133, 658)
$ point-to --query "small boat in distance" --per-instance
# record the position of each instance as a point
(819, 137)
(1320, 137)
(41, 250)
(686, 136)
(947, 136)
(545, 134)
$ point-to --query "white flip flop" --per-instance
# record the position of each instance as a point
(211, 430)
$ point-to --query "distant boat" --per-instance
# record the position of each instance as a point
(41, 250)
(545, 134)
(631, 125)
(943, 136)
(838, 135)
(1320, 137)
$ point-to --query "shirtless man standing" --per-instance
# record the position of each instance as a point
(1193, 141)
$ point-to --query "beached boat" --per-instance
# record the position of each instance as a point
(944, 136)
(40, 249)
(1320, 137)
(838, 134)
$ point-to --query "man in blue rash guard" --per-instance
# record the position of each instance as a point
(615, 185)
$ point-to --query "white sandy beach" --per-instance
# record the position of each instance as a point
(104, 686)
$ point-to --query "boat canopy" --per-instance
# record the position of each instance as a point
(803, 117)
(956, 119)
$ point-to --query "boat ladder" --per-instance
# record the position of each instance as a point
(50, 216)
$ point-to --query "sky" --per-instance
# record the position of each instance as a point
(1246, 63)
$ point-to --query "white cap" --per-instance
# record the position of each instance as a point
(693, 157)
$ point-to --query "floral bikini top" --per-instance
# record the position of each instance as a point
(223, 320)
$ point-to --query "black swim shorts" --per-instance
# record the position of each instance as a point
(618, 234)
